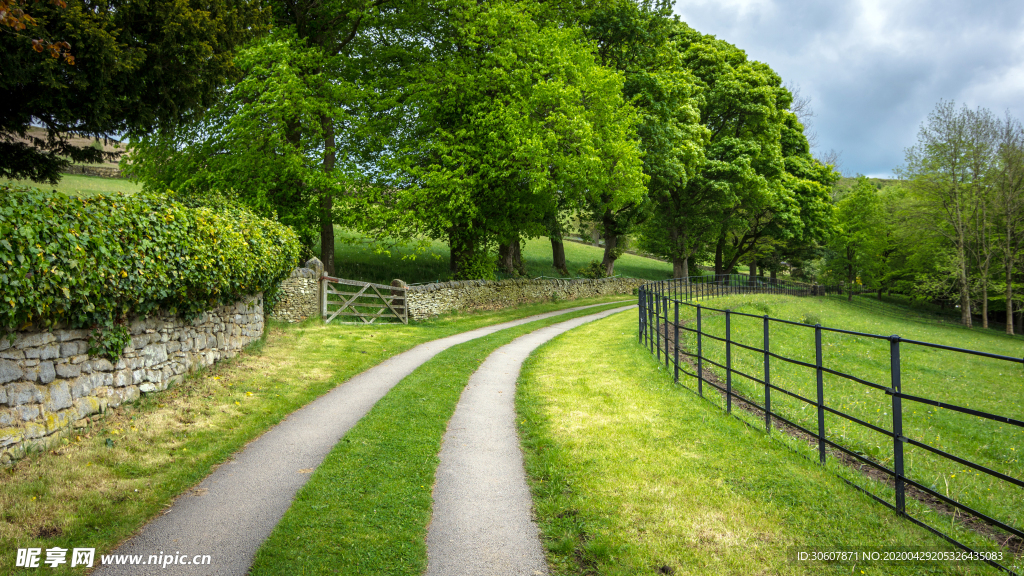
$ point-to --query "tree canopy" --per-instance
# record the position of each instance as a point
(120, 66)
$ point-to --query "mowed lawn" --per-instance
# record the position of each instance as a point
(983, 384)
(633, 474)
(356, 259)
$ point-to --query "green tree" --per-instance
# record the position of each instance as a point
(120, 66)
(856, 249)
(510, 121)
(946, 172)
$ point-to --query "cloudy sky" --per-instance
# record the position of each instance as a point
(874, 69)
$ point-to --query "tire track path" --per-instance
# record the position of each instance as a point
(232, 512)
(482, 521)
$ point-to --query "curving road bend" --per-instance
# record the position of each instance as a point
(482, 521)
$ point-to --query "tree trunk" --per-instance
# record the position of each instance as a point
(506, 257)
(719, 250)
(965, 292)
(558, 256)
(680, 267)
(517, 257)
(327, 200)
(984, 303)
(1009, 297)
(610, 241)
(773, 276)
(879, 294)
(595, 236)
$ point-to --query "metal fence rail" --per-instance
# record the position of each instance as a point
(660, 328)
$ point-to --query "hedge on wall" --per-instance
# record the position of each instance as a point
(94, 262)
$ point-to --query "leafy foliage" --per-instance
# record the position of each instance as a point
(117, 66)
(94, 262)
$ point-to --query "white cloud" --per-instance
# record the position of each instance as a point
(875, 68)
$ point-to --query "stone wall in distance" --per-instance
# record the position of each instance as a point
(439, 298)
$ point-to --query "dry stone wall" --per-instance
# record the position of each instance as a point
(49, 384)
(101, 171)
(298, 296)
(433, 299)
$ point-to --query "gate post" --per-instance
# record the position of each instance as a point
(400, 288)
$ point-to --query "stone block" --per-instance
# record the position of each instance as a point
(8, 418)
(87, 406)
(68, 370)
(9, 436)
(102, 365)
(140, 341)
(11, 354)
(79, 359)
(154, 354)
(23, 393)
(72, 348)
(66, 335)
(59, 396)
(130, 394)
(56, 421)
(28, 412)
(9, 371)
(138, 376)
(3, 395)
(34, 430)
(46, 372)
(122, 378)
(33, 339)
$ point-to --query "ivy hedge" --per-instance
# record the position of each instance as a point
(96, 262)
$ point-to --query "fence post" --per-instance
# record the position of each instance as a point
(676, 347)
(640, 310)
(821, 394)
(665, 308)
(728, 364)
(657, 324)
(767, 382)
(650, 320)
(700, 357)
(897, 423)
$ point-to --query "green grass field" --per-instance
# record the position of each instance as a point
(632, 474)
(355, 259)
(78, 185)
(969, 381)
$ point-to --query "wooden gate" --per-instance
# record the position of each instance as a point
(344, 299)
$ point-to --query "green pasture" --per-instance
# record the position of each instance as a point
(356, 258)
(632, 474)
(79, 185)
(983, 384)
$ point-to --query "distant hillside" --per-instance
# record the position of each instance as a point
(845, 184)
(108, 145)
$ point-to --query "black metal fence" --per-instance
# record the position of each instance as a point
(660, 329)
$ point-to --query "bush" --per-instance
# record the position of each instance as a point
(95, 262)
(592, 270)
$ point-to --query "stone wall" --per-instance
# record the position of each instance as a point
(101, 171)
(49, 384)
(433, 299)
(298, 297)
